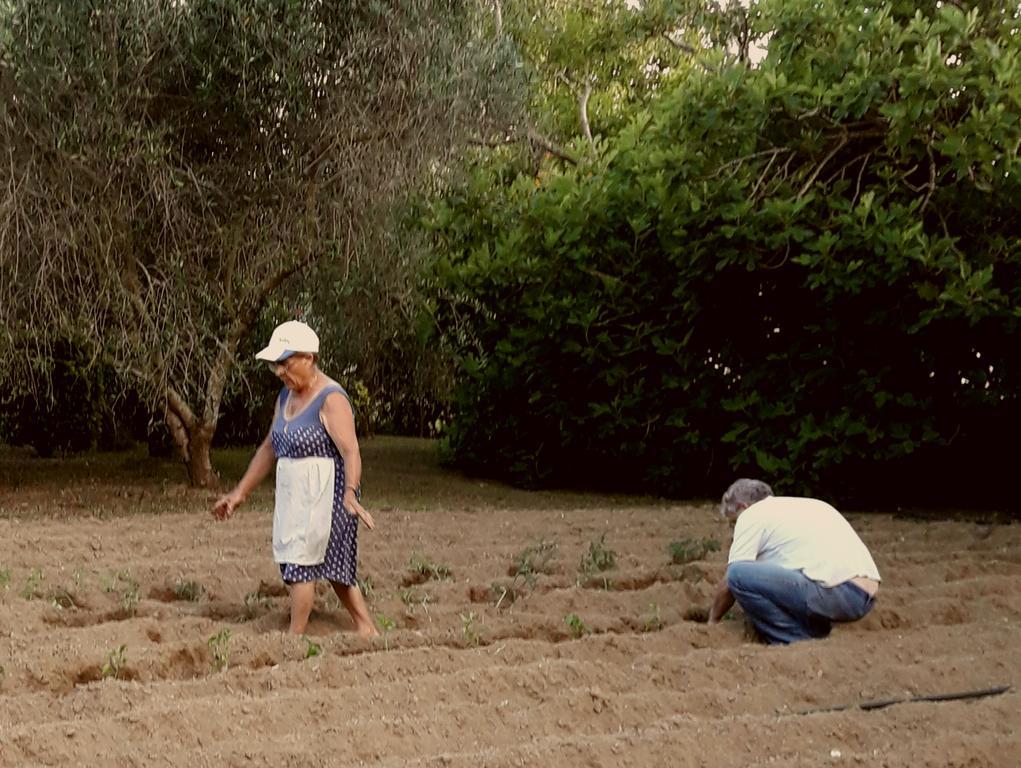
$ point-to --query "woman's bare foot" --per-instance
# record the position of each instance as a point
(352, 599)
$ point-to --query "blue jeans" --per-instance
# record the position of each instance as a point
(786, 606)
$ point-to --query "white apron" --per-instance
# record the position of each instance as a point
(304, 510)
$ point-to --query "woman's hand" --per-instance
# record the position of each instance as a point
(354, 507)
(225, 505)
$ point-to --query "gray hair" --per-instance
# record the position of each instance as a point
(743, 493)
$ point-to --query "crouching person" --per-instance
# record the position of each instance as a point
(795, 565)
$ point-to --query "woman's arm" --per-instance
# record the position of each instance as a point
(260, 466)
(339, 420)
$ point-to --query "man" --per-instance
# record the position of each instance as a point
(795, 565)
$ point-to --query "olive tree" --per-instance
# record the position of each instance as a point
(170, 166)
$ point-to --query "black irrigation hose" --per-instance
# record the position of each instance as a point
(883, 703)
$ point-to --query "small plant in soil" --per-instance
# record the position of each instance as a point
(534, 560)
(122, 582)
(426, 570)
(129, 598)
(219, 647)
(688, 550)
(255, 605)
(190, 591)
(411, 599)
(115, 663)
(31, 589)
(5, 578)
(599, 557)
(504, 594)
(367, 588)
(108, 583)
(62, 598)
(575, 625)
(387, 625)
(468, 629)
(652, 622)
(312, 649)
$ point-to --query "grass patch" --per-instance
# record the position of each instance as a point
(400, 473)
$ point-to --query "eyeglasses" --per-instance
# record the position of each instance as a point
(276, 365)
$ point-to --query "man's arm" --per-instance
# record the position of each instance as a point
(722, 601)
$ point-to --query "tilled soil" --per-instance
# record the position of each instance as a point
(158, 640)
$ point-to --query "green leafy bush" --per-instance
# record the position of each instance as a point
(809, 271)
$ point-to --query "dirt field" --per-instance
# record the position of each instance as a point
(115, 650)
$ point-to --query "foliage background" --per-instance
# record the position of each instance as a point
(807, 270)
(656, 265)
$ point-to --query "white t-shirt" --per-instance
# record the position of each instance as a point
(805, 535)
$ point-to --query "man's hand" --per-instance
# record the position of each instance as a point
(722, 601)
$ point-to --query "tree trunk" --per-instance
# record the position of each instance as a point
(194, 438)
(200, 467)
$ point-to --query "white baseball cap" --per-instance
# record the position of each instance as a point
(288, 339)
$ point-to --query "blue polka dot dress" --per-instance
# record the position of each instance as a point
(301, 437)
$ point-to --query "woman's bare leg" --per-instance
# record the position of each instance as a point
(303, 597)
(352, 599)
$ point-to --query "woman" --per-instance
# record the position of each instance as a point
(313, 442)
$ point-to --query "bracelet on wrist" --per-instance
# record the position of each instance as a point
(357, 491)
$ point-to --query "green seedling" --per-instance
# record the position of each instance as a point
(129, 598)
(534, 560)
(255, 605)
(62, 598)
(688, 550)
(5, 578)
(653, 622)
(312, 649)
(468, 629)
(367, 588)
(219, 647)
(411, 599)
(599, 557)
(575, 624)
(387, 625)
(427, 570)
(190, 591)
(126, 585)
(31, 589)
(331, 602)
(116, 661)
(504, 593)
